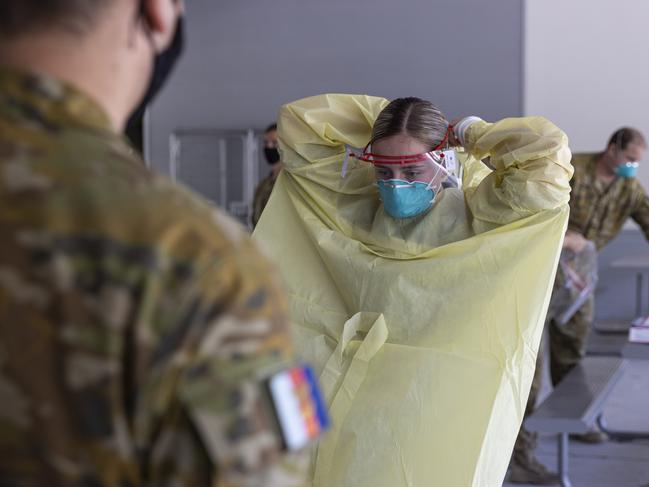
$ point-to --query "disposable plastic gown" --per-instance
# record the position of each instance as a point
(578, 282)
(424, 331)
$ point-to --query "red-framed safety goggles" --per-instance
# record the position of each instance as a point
(435, 155)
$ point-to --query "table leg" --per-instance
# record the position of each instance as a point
(620, 435)
(563, 460)
(638, 294)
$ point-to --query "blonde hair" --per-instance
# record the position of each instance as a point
(411, 116)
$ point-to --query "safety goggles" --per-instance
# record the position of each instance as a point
(438, 168)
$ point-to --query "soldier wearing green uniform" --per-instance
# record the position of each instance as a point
(265, 187)
(137, 324)
(605, 193)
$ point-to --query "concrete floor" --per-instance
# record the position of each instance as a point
(611, 464)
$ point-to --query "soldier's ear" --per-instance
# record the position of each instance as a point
(161, 17)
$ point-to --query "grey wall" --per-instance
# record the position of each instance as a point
(247, 57)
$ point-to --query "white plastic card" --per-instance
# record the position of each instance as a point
(451, 160)
(639, 334)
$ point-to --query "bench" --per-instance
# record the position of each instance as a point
(606, 344)
(630, 351)
(639, 351)
(576, 404)
(612, 327)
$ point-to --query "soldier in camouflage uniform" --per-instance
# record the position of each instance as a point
(602, 200)
(137, 323)
(265, 187)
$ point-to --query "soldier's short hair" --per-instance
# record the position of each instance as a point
(22, 17)
(626, 135)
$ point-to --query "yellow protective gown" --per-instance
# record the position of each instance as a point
(424, 331)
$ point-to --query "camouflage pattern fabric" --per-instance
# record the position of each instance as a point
(262, 195)
(137, 324)
(567, 347)
(598, 211)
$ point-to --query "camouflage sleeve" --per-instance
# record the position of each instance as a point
(262, 195)
(135, 368)
(641, 211)
(241, 340)
(136, 333)
(257, 206)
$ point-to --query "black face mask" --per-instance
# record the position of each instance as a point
(272, 155)
(163, 65)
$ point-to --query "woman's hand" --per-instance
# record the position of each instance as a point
(452, 138)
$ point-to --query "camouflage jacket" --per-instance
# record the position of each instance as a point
(262, 195)
(137, 324)
(598, 211)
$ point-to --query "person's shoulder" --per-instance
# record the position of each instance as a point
(266, 184)
(455, 193)
(582, 159)
(454, 198)
(186, 223)
(117, 176)
(636, 187)
(95, 182)
(73, 155)
(583, 163)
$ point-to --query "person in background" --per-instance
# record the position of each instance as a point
(139, 326)
(605, 194)
(265, 187)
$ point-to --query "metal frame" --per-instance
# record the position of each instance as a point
(250, 165)
(638, 294)
(618, 435)
(630, 351)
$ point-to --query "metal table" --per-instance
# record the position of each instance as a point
(632, 351)
(636, 351)
(576, 403)
(639, 264)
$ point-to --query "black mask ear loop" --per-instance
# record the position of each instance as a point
(134, 121)
(163, 64)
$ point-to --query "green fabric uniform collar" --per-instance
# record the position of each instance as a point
(50, 100)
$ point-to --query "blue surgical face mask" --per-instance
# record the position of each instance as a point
(404, 199)
(627, 170)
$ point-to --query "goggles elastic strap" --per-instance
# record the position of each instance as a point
(444, 141)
